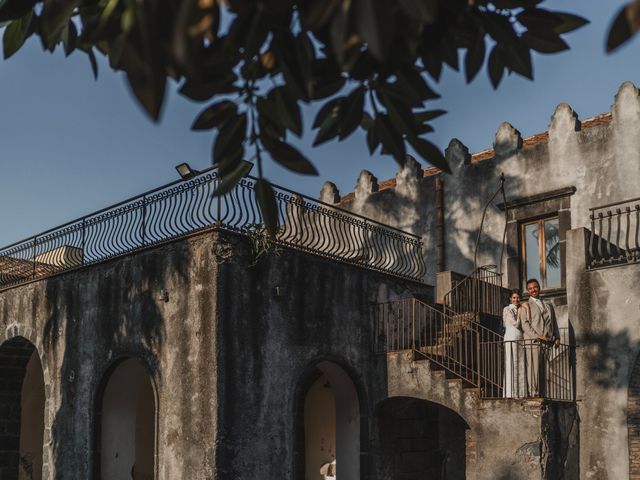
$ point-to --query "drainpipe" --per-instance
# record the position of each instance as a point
(440, 222)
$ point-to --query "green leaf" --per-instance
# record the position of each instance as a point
(518, 58)
(367, 121)
(268, 206)
(376, 25)
(539, 19)
(390, 138)
(625, 25)
(14, 9)
(230, 137)
(327, 121)
(288, 156)
(230, 179)
(329, 109)
(425, 116)
(372, 139)
(269, 121)
(230, 160)
(474, 58)
(15, 35)
(496, 66)
(569, 22)
(288, 109)
(148, 84)
(401, 116)
(409, 80)
(204, 91)
(498, 26)
(56, 14)
(430, 153)
(547, 43)
(423, 10)
(328, 130)
(69, 38)
(215, 115)
(351, 112)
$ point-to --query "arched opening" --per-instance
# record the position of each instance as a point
(22, 403)
(419, 439)
(126, 414)
(331, 425)
(633, 420)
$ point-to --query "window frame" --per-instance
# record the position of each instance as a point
(542, 253)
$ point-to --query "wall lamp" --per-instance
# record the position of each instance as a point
(185, 171)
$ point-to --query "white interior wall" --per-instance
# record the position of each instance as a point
(127, 431)
(32, 421)
(319, 427)
(347, 421)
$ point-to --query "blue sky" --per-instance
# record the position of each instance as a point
(70, 145)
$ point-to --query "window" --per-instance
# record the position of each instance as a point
(541, 252)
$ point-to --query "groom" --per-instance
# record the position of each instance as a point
(539, 326)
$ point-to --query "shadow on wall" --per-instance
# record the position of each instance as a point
(609, 357)
(95, 316)
(463, 216)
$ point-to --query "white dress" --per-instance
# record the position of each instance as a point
(514, 380)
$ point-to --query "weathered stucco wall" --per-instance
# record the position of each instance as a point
(227, 353)
(604, 308)
(82, 322)
(602, 162)
(506, 439)
(270, 343)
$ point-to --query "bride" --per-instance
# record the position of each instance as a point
(514, 380)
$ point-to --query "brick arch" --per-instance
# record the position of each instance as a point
(22, 341)
(633, 421)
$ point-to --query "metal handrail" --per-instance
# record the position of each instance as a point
(473, 352)
(620, 243)
(184, 207)
(514, 369)
(452, 343)
(486, 292)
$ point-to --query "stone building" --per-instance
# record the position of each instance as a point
(169, 337)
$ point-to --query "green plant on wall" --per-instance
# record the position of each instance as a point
(262, 243)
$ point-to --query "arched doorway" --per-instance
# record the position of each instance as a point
(419, 439)
(633, 420)
(126, 418)
(22, 398)
(331, 425)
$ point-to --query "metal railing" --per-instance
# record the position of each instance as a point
(615, 234)
(477, 355)
(479, 292)
(529, 369)
(188, 206)
(452, 343)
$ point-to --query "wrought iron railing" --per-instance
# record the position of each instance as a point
(477, 355)
(454, 344)
(479, 292)
(615, 234)
(188, 206)
(529, 368)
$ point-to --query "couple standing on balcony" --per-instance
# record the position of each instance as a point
(528, 327)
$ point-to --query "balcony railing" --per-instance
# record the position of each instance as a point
(475, 354)
(480, 292)
(615, 234)
(188, 206)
